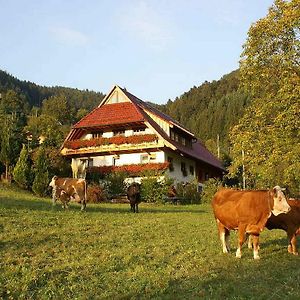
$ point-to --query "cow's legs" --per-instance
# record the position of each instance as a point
(255, 239)
(250, 242)
(83, 205)
(292, 247)
(242, 237)
(136, 208)
(53, 196)
(132, 207)
(224, 236)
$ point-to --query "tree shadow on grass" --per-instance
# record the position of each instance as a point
(273, 277)
(44, 204)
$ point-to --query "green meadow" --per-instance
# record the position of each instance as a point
(164, 252)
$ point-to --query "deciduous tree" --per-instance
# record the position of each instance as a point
(269, 130)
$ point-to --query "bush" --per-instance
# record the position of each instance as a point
(188, 192)
(116, 184)
(57, 164)
(96, 193)
(154, 190)
(211, 186)
(93, 176)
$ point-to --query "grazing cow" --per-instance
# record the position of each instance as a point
(289, 222)
(247, 211)
(66, 189)
(134, 196)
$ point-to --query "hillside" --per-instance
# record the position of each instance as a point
(35, 94)
(210, 109)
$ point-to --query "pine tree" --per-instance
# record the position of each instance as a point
(41, 179)
(9, 146)
(21, 172)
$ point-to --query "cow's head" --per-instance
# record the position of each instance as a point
(134, 188)
(280, 204)
(52, 182)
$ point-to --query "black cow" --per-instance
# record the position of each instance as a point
(134, 196)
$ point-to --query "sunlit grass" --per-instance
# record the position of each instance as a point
(164, 252)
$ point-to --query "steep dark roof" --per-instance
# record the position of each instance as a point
(155, 111)
(198, 151)
(135, 111)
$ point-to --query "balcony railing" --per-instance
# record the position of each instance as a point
(133, 169)
(116, 140)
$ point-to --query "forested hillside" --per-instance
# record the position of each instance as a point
(30, 114)
(34, 94)
(211, 109)
(208, 110)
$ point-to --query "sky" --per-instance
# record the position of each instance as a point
(156, 49)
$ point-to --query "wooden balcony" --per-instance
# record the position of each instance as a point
(112, 145)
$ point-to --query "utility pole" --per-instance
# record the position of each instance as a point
(218, 145)
(243, 168)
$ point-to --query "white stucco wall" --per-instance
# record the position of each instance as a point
(177, 173)
(126, 159)
(157, 157)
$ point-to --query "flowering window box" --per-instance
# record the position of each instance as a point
(116, 140)
(133, 169)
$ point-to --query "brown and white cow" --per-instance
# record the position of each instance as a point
(246, 211)
(289, 222)
(67, 189)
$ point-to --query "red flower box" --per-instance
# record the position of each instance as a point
(116, 140)
(130, 169)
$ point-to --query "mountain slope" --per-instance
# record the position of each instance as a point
(211, 109)
(35, 94)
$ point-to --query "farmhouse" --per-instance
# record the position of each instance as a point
(125, 133)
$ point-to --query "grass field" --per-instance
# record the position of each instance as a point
(164, 252)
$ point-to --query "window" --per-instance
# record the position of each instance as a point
(97, 134)
(206, 176)
(192, 171)
(144, 158)
(183, 169)
(171, 166)
(139, 131)
(119, 132)
(90, 162)
(152, 156)
(172, 135)
(115, 160)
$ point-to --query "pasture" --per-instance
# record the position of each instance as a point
(107, 252)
